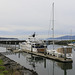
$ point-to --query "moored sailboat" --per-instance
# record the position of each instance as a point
(60, 52)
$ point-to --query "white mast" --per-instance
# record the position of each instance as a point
(53, 23)
(53, 30)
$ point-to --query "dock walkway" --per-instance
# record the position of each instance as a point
(60, 59)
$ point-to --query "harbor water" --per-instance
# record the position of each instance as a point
(40, 65)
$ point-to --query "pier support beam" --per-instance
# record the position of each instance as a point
(10, 44)
(15, 45)
(19, 46)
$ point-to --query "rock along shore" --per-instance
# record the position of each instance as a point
(15, 68)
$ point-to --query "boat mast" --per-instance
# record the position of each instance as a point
(53, 23)
(53, 30)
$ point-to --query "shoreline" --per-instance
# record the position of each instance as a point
(15, 68)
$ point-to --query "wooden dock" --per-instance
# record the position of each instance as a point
(60, 59)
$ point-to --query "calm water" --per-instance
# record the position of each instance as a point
(43, 66)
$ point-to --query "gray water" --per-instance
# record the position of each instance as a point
(42, 65)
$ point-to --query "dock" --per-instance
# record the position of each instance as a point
(60, 59)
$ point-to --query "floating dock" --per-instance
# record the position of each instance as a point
(60, 59)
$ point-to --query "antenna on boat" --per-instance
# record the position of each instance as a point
(53, 23)
(33, 35)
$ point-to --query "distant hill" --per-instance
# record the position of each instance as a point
(63, 38)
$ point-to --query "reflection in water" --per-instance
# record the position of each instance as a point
(33, 60)
(65, 66)
(44, 62)
(19, 55)
(53, 67)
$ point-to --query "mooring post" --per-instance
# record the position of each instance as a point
(64, 53)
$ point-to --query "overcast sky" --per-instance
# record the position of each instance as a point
(22, 17)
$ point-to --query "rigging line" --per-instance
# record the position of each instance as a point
(49, 25)
(49, 28)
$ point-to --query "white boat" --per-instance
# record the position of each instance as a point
(60, 52)
(33, 44)
(70, 44)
